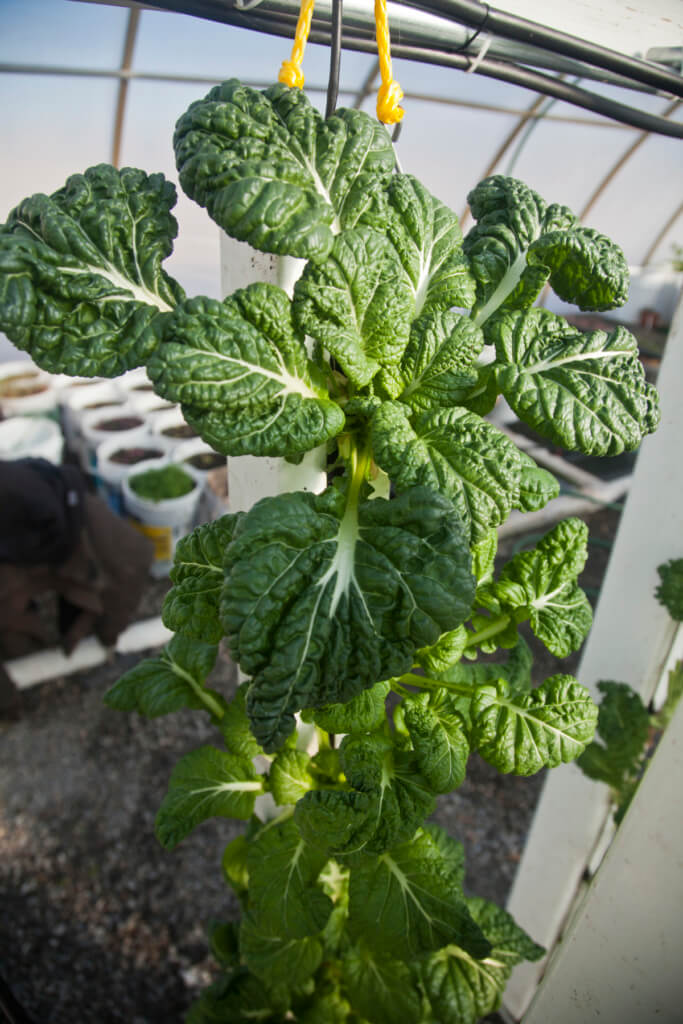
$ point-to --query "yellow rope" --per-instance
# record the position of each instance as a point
(290, 72)
(390, 93)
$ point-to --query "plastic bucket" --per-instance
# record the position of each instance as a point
(139, 391)
(170, 427)
(25, 389)
(114, 460)
(76, 400)
(31, 436)
(122, 422)
(164, 522)
(212, 469)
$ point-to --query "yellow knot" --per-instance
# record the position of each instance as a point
(388, 98)
(291, 75)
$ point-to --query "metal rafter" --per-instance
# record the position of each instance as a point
(126, 64)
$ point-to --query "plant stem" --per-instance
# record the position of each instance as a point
(486, 632)
(427, 683)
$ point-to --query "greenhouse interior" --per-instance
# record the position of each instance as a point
(341, 577)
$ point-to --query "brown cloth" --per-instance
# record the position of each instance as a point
(96, 563)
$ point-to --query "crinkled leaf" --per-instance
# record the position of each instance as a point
(223, 939)
(536, 485)
(171, 681)
(337, 821)
(81, 284)
(289, 778)
(270, 171)
(237, 997)
(586, 392)
(541, 583)
(355, 304)
(363, 713)
(623, 726)
(191, 605)
(523, 733)
(242, 375)
(586, 268)
(324, 597)
(669, 591)
(454, 452)
(484, 554)
(464, 989)
(206, 783)
(445, 652)
(510, 217)
(451, 850)
(439, 364)
(439, 740)
(405, 903)
(428, 240)
(275, 958)
(234, 726)
(381, 990)
(402, 798)
(283, 872)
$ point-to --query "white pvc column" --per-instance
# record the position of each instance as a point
(630, 642)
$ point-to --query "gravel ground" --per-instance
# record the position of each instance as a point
(99, 924)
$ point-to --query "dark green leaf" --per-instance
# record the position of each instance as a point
(242, 375)
(439, 740)
(283, 894)
(536, 486)
(81, 284)
(523, 733)
(586, 392)
(356, 305)
(362, 713)
(428, 240)
(234, 726)
(204, 784)
(405, 902)
(380, 989)
(439, 364)
(275, 959)
(669, 592)
(454, 452)
(271, 172)
(191, 605)
(170, 682)
(464, 989)
(323, 598)
(586, 268)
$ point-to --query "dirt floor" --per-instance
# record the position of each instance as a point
(98, 924)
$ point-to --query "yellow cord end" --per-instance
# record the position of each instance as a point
(291, 75)
(388, 99)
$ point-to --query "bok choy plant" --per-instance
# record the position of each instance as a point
(361, 610)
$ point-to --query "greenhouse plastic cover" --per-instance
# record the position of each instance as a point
(60, 62)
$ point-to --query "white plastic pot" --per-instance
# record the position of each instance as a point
(31, 437)
(109, 472)
(164, 522)
(139, 391)
(100, 425)
(25, 389)
(75, 401)
(213, 502)
(170, 427)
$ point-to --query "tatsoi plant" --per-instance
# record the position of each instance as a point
(359, 612)
(626, 728)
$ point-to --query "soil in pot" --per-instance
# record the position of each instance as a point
(162, 484)
(182, 430)
(19, 385)
(129, 456)
(119, 423)
(205, 460)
